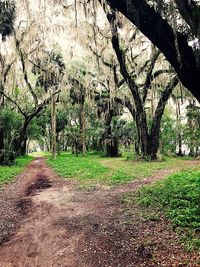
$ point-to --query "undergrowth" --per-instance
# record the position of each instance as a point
(7, 173)
(97, 169)
(179, 197)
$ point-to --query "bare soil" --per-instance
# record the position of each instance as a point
(46, 221)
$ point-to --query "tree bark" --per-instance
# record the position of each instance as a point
(155, 128)
(140, 115)
(20, 141)
(83, 130)
(178, 116)
(53, 127)
(162, 35)
(1, 126)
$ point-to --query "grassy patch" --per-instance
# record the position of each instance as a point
(80, 167)
(96, 169)
(39, 154)
(179, 197)
(8, 173)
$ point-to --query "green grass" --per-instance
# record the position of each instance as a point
(80, 167)
(96, 169)
(178, 196)
(7, 173)
(39, 154)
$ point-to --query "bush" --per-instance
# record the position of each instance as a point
(7, 157)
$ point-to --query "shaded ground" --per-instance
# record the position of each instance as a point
(48, 221)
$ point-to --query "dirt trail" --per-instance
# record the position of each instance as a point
(59, 224)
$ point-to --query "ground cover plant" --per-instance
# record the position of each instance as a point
(7, 173)
(95, 168)
(178, 196)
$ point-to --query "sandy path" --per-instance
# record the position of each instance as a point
(60, 225)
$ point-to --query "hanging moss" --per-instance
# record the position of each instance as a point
(7, 17)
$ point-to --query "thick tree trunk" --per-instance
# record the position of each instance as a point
(142, 130)
(154, 136)
(20, 142)
(112, 148)
(154, 142)
(112, 143)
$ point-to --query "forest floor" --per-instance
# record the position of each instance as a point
(48, 221)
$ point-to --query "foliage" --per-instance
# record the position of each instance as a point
(7, 17)
(10, 121)
(50, 70)
(97, 169)
(7, 173)
(191, 132)
(179, 197)
(7, 157)
(169, 133)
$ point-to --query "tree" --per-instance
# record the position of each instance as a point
(5, 69)
(51, 68)
(170, 41)
(7, 18)
(81, 94)
(108, 109)
(148, 138)
(192, 129)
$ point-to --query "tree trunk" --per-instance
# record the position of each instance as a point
(112, 148)
(83, 130)
(53, 127)
(180, 152)
(178, 116)
(154, 142)
(142, 129)
(20, 141)
(111, 142)
(58, 139)
(1, 126)
(63, 140)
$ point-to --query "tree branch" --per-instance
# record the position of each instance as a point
(150, 69)
(127, 104)
(190, 12)
(161, 105)
(21, 55)
(110, 65)
(41, 106)
(14, 102)
(161, 34)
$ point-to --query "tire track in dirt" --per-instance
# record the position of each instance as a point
(62, 225)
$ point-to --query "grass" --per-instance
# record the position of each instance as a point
(39, 154)
(178, 196)
(7, 173)
(110, 171)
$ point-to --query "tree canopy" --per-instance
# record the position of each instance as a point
(171, 36)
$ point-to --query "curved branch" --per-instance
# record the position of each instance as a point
(150, 69)
(14, 102)
(161, 34)
(21, 55)
(190, 12)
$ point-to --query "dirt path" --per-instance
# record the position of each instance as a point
(59, 224)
